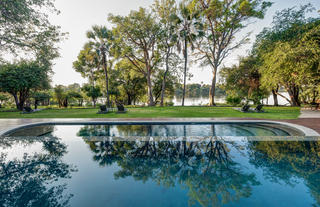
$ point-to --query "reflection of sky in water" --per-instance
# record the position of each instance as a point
(243, 180)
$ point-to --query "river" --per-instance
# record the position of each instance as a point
(202, 101)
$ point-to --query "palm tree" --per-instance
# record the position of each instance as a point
(187, 24)
(102, 38)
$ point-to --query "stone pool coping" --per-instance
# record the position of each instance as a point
(9, 125)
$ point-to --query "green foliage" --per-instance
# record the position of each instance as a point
(136, 40)
(288, 25)
(233, 100)
(128, 85)
(294, 64)
(289, 51)
(20, 78)
(24, 27)
(222, 20)
(93, 92)
(4, 97)
(171, 82)
(65, 95)
(43, 96)
(244, 80)
(102, 41)
(87, 63)
(187, 28)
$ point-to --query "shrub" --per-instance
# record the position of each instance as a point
(233, 100)
(169, 103)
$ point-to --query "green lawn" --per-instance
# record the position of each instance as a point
(158, 112)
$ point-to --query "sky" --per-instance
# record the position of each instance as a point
(78, 16)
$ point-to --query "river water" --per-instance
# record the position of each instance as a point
(222, 99)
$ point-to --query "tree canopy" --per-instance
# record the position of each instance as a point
(20, 78)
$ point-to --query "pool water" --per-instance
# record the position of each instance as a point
(136, 165)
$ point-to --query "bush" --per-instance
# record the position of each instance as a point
(169, 103)
(233, 100)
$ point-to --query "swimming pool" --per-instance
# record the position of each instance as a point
(159, 165)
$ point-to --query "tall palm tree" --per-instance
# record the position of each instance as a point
(186, 22)
(102, 38)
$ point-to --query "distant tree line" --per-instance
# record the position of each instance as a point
(195, 90)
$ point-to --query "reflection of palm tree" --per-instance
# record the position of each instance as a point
(204, 168)
(287, 160)
(30, 181)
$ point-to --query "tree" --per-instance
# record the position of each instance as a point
(131, 85)
(59, 95)
(165, 10)
(78, 96)
(187, 26)
(136, 38)
(101, 39)
(244, 80)
(21, 77)
(24, 27)
(87, 63)
(41, 96)
(292, 44)
(293, 66)
(171, 82)
(222, 20)
(93, 92)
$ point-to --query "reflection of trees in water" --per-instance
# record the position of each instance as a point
(204, 168)
(285, 161)
(94, 130)
(31, 180)
(133, 130)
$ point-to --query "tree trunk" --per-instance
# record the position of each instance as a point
(150, 95)
(65, 103)
(185, 70)
(22, 98)
(294, 95)
(315, 94)
(275, 97)
(94, 103)
(129, 100)
(35, 104)
(213, 87)
(163, 88)
(16, 100)
(20, 105)
(104, 60)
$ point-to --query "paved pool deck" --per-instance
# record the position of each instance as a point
(303, 123)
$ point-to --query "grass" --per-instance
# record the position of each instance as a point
(158, 112)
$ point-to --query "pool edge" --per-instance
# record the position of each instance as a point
(305, 130)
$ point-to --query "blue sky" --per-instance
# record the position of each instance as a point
(77, 17)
